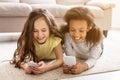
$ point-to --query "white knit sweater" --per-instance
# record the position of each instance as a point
(82, 50)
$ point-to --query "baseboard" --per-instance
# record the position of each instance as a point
(9, 36)
(115, 28)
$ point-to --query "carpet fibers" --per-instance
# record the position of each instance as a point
(109, 61)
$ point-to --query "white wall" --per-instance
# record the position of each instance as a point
(116, 15)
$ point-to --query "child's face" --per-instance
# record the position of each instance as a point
(78, 30)
(41, 30)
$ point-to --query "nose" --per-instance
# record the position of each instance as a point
(39, 34)
(76, 33)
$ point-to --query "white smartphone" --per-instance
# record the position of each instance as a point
(69, 60)
(31, 63)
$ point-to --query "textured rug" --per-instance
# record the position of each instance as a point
(109, 61)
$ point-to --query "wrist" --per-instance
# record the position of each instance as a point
(23, 65)
(85, 66)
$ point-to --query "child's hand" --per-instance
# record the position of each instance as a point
(39, 69)
(66, 69)
(79, 68)
(27, 68)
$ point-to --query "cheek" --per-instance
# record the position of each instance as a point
(84, 35)
(34, 35)
(48, 33)
(71, 33)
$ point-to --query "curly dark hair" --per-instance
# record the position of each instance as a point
(94, 35)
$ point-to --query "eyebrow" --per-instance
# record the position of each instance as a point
(74, 28)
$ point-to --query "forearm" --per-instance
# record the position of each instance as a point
(54, 64)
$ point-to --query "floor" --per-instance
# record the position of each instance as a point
(113, 35)
(103, 76)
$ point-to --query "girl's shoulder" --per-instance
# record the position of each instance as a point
(67, 35)
(54, 38)
(54, 41)
(67, 38)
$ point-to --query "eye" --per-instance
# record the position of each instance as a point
(44, 30)
(72, 30)
(81, 30)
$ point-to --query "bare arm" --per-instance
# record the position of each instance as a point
(43, 67)
(59, 58)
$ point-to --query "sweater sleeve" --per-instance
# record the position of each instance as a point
(67, 45)
(95, 53)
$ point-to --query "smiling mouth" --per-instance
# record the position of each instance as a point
(40, 38)
(77, 38)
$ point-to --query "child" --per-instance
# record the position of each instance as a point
(40, 42)
(82, 37)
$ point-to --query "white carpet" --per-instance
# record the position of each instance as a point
(109, 61)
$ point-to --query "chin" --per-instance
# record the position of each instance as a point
(41, 42)
(77, 42)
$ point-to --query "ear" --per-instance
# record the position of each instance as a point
(89, 28)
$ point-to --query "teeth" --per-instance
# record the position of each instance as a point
(77, 37)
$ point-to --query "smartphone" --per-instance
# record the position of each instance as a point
(32, 64)
(69, 60)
